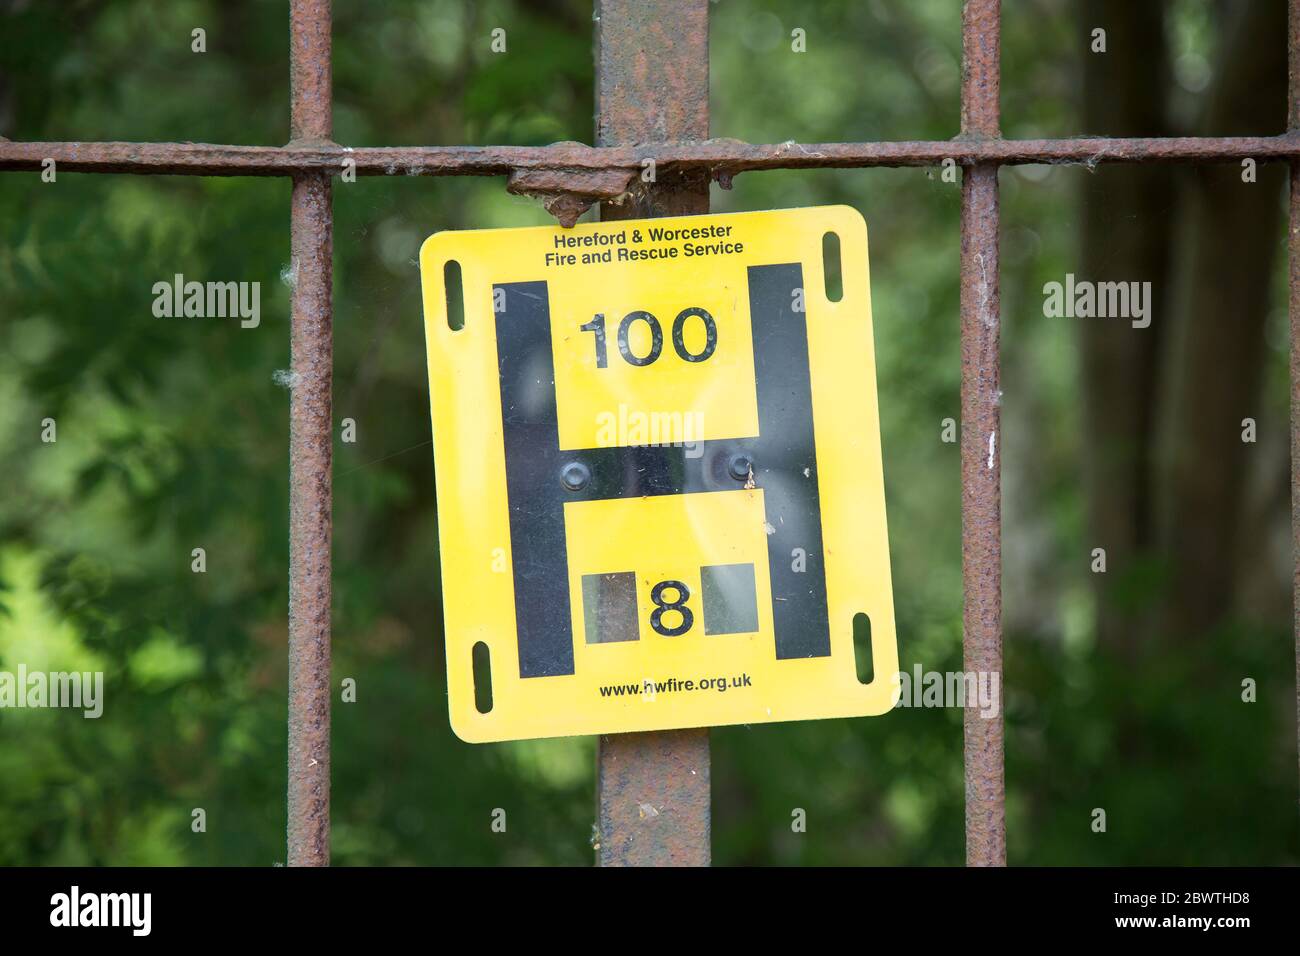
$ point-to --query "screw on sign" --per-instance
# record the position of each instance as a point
(671, 430)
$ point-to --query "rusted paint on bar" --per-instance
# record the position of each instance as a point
(652, 794)
(981, 439)
(1295, 413)
(311, 113)
(652, 71)
(310, 450)
(652, 80)
(574, 165)
(310, 522)
(981, 68)
(569, 193)
(981, 527)
(1293, 67)
(1293, 125)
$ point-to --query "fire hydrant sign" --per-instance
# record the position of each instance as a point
(658, 467)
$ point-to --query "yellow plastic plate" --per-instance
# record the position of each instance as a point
(660, 499)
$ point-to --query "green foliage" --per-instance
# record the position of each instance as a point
(172, 435)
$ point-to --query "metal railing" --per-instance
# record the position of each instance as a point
(660, 115)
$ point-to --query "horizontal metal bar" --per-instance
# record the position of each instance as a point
(589, 167)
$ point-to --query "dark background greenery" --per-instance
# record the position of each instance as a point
(172, 434)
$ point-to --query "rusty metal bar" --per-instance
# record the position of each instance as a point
(1293, 125)
(652, 82)
(981, 499)
(719, 157)
(310, 447)
(311, 110)
(981, 69)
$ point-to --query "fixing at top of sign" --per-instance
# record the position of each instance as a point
(660, 494)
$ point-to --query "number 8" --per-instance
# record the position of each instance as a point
(679, 605)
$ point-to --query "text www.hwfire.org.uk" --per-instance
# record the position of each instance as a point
(649, 688)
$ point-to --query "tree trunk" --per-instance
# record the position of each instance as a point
(1126, 237)
(1216, 345)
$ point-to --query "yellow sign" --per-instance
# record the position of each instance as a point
(660, 499)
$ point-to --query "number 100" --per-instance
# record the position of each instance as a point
(597, 326)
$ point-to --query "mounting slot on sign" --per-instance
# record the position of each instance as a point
(862, 657)
(832, 266)
(455, 295)
(482, 663)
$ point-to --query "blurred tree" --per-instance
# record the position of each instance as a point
(1166, 469)
(1125, 90)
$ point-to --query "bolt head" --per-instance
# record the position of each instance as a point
(575, 476)
(739, 467)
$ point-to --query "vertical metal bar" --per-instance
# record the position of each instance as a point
(652, 74)
(1293, 125)
(310, 446)
(981, 532)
